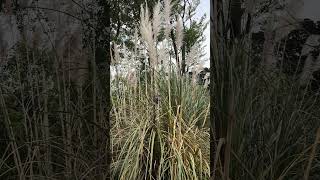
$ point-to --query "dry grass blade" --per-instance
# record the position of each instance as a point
(312, 155)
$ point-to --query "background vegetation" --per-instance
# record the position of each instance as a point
(265, 109)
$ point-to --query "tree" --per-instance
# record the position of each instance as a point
(127, 14)
(125, 18)
(193, 30)
(103, 61)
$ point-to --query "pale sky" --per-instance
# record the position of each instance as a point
(204, 8)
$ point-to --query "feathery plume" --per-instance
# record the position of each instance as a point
(115, 59)
(147, 35)
(125, 51)
(132, 77)
(135, 41)
(198, 68)
(156, 20)
(194, 55)
(179, 35)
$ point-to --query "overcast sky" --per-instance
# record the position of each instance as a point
(204, 7)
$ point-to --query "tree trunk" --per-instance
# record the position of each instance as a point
(183, 60)
(103, 60)
(175, 49)
(236, 14)
(213, 32)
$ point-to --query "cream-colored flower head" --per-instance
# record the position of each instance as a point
(156, 22)
(147, 35)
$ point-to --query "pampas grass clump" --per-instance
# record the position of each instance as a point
(159, 128)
